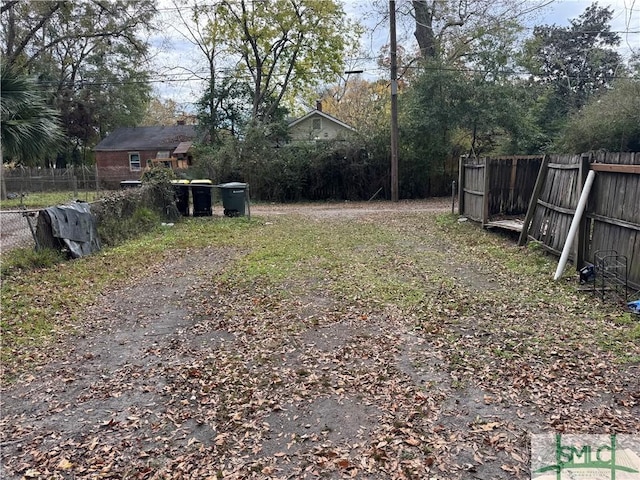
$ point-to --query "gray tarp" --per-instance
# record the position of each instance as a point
(74, 225)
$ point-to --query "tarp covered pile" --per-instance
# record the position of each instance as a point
(71, 226)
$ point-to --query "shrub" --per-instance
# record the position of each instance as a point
(129, 213)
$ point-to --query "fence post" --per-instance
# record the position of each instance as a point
(537, 189)
(22, 176)
(453, 197)
(85, 187)
(582, 242)
(461, 185)
(485, 196)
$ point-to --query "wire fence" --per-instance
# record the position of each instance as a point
(20, 181)
(18, 220)
(116, 215)
(17, 229)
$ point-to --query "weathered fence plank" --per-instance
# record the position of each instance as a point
(614, 209)
(472, 188)
(535, 194)
(494, 188)
(556, 204)
(612, 217)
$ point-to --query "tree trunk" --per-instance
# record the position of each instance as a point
(3, 185)
(424, 28)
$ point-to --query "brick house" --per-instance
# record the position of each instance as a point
(125, 153)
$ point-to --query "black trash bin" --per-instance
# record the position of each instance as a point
(181, 190)
(201, 191)
(130, 184)
(233, 198)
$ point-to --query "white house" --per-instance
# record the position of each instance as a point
(317, 125)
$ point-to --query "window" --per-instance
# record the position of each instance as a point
(134, 161)
(317, 123)
(162, 154)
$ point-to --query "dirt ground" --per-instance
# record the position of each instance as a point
(178, 385)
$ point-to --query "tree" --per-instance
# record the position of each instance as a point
(33, 31)
(284, 47)
(89, 54)
(224, 105)
(160, 112)
(448, 30)
(610, 121)
(494, 113)
(29, 129)
(221, 104)
(431, 116)
(359, 103)
(573, 64)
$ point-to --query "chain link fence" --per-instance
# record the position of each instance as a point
(18, 222)
(20, 181)
(120, 215)
(17, 229)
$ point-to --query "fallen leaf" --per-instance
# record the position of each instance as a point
(64, 464)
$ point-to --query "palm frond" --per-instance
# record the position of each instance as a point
(29, 128)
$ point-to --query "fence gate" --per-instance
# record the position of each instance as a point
(496, 190)
(473, 192)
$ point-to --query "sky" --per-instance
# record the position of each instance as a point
(626, 18)
(175, 57)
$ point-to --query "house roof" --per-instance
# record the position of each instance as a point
(323, 115)
(183, 147)
(147, 138)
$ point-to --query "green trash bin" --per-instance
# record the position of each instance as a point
(181, 191)
(201, 191)
(233, 198)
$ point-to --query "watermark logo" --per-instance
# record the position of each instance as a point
(569, 457)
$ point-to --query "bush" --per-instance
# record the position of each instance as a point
(158, 175)
(115, 230)
(610, 122)
(296, 171)
(129, 213)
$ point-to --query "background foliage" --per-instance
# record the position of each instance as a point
(475, 81)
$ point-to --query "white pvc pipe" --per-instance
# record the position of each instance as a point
(575, 223)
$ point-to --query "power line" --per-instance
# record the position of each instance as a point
(506, 73)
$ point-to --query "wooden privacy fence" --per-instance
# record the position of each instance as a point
(493, 190)
(554, 200)
(613, 218)
(611, 222)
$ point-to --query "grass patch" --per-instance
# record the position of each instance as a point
(27, 259)
(48, 199)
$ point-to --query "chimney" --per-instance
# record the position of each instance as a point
(319, 105)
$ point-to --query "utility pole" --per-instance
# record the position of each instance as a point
(394, 101)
